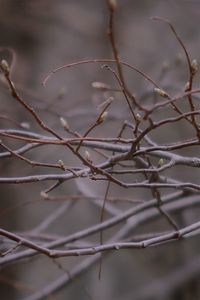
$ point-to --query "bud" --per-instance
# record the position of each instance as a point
(187, 85)
(194, 66)
(102, 117)
(138, 117)
(87, 156)
(161, 93)
(4, 67)
(161, 162)
(61, 163)
(64, 123)
(100, 85)
(25, 125)
(44, 195)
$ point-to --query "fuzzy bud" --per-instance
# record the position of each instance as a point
(5, 67)
(138, 117)
(64, 123)
(44, 195)
(87, 156)
(194, 66)
(61, 164)
(25, 125)
(187, 85)
(161, 93)
(100, 86)
(102, 117)
(161, 162)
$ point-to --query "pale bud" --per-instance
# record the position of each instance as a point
(161, 162)
(102, 118)
(100, 85)
(138, 117)
(187, 85)
(44, 195)
(5, 67)
(61, 163)
(25, 125)
(87, 156)
(194, 66)
(64, 123)
(161, 93)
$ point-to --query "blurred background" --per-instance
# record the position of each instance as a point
(47, 34)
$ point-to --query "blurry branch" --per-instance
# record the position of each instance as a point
(88, 262)
(163, 238)
(142, 208)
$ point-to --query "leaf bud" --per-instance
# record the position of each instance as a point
(161, 93)
(194, 66)
(61, 163)
(87, 156)
(64, 123)
(102, 117)
(161, 162)
(4, 67)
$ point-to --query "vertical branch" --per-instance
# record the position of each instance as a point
(192, 68)
(112, 7)
(111, 34)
